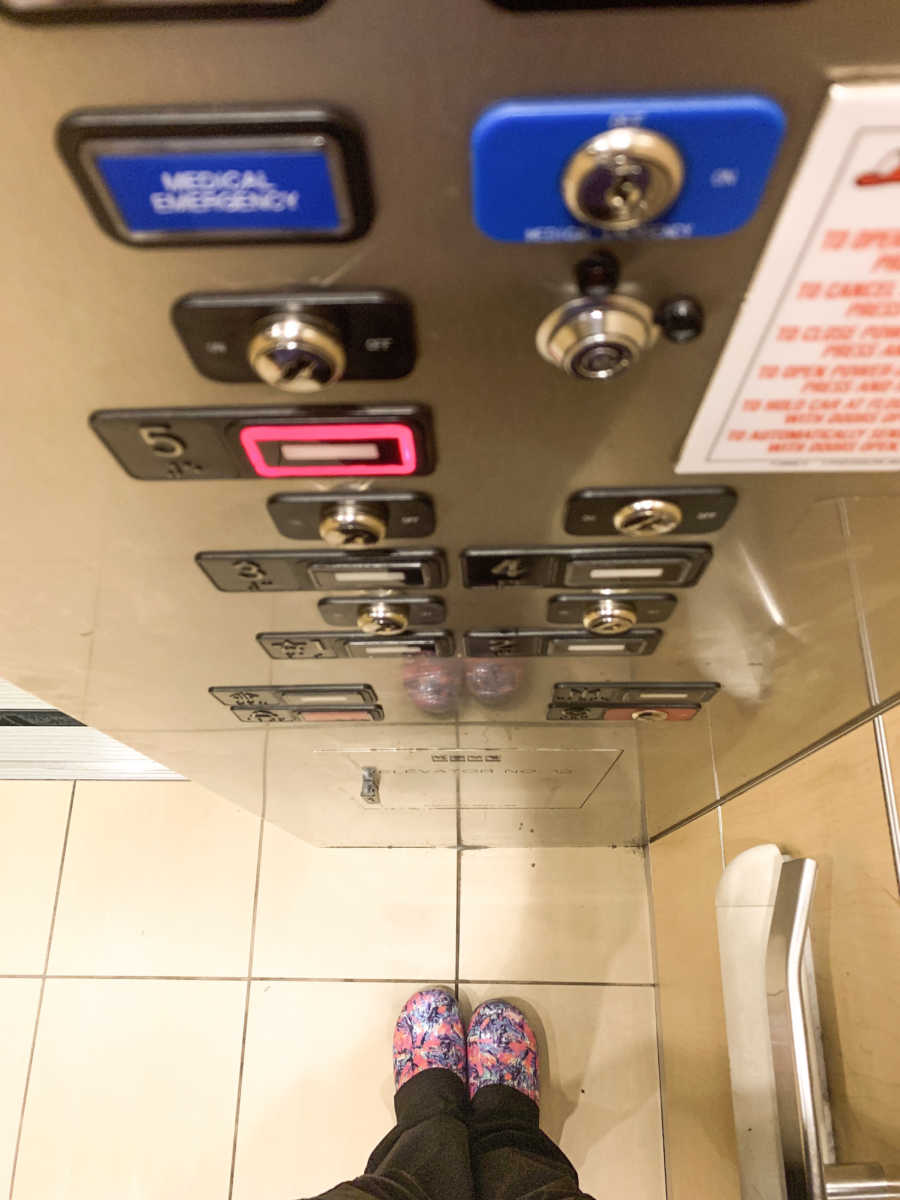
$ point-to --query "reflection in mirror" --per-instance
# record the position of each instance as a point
(784, 641)
(870, 526)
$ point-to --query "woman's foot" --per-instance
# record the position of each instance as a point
(502, 1048)
(429, 1033)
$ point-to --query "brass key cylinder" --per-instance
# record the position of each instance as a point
(622, 178)
(609, 616)
(295, 353)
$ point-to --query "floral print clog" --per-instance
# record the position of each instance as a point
(502, 1049)
(429, 1033)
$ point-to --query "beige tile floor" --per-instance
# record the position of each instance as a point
(195, 1004)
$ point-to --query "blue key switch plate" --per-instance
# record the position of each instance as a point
(520, 148)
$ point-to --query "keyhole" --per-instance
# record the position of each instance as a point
(626, 192)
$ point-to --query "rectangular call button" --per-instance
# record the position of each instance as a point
(250, 173)
(322, 570)
(285, 451)
(674, 566)
(439, 645)
(316, 695)
(350, 645)
(271, 443)
(606, 573)
(351, 571)
(636, 641)
(537, 643)
(283, 715)
(607, 692)
(570, 646)
(585, 566)
(650, 714)
(602, 712)
(354, 576)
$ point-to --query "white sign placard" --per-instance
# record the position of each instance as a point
(810, 376)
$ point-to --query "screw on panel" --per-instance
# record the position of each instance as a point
(680, 318)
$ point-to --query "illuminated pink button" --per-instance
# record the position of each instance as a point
(375, 448)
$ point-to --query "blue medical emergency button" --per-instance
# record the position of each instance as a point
(182, 193)
(160, 177)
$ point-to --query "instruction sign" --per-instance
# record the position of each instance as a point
(810, 377)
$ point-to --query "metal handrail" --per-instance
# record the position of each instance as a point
(809, 1172)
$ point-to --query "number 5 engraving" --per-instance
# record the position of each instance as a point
(162, 441)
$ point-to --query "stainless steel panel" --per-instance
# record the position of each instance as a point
(104, 613)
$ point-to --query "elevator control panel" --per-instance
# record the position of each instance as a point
(605, 330)
(419, 344)
(610, 611)
(307, 695)
(268, 442)
(297, 340)
(283, 715)
(255, 173)
(322, 570)
(538, 643)
(577, 168)
(648, 512)
(589, 338)
(640, 694)
(312, 644)
(647, 703)
(352, 519)
(587, 566)
(623, 712)
(384, 615)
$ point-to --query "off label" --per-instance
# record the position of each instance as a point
(810, 378)
(218, 192)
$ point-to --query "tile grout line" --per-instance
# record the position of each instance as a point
(657, 1010)
(249, 977)
(40, 1002)
(459, 854)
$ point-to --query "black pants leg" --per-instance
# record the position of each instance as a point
(444, 1149)
(512, 1159)
(426, 1154)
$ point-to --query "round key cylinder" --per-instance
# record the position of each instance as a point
(622, 178)
(597, 339)
(295, 353)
